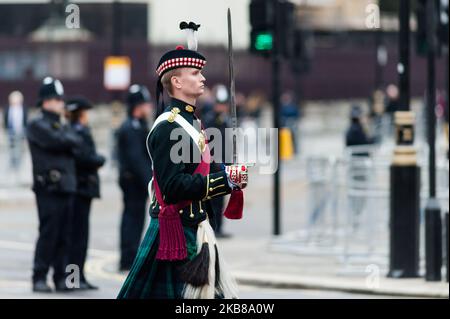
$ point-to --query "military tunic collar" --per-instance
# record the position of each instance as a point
(182, 106)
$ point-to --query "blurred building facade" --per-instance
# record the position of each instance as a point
(34, 43)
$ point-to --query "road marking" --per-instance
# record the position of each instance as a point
(95, 267)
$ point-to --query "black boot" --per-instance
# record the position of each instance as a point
(60, 286)
(41, 286)
(221, 235)
(85, 285)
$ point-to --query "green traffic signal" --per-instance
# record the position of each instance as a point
(263, 41)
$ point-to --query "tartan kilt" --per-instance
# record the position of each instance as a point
(150, 278)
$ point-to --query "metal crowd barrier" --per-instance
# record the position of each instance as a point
(348, 207)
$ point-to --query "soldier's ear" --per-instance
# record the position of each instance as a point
(176, 83)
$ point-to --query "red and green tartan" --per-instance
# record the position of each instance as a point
(150, 278)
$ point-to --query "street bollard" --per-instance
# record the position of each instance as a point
(446, 244)
(433, 241)
(286, 144)
(404, 202)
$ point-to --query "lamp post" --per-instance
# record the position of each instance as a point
(433, 221)
(404, 171)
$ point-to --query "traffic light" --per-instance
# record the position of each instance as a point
(261, 21)
(262, 40)
(261, 14)
(262, 18)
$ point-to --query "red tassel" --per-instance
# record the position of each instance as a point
(172, 242)
(235, 206)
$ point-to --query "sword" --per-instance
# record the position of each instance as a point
(234, 122)
(232, 87)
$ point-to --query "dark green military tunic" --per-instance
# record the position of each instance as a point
(149, 277)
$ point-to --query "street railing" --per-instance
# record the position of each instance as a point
(348, 206)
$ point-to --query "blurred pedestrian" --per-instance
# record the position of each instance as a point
(392, 99)
(134, 172)
(87, 163)
(52, 145)
(290, 116)
(356, 134)
(392, 105)
(253, 106)
(15, 119)
(355, 138)
(206, 103)
(376, 114)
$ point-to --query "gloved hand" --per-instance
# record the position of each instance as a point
(237, 175)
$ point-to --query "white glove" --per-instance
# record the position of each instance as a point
(237, 175)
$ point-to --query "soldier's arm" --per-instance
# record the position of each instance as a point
(47, 138)
(174, 183)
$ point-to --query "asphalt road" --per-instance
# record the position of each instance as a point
(18, 232)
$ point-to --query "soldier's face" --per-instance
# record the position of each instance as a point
(191, 82)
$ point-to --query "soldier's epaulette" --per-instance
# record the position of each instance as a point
(175, 111)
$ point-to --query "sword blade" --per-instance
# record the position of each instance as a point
(232, 86)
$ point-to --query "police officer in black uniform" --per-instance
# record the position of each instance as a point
(52, 145)
(87, 163)
(134, 172)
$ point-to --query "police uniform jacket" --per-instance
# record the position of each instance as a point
(134, 162)
(87, 163)
(51, 145)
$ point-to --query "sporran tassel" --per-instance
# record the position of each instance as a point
(195, 271)
(220, 282)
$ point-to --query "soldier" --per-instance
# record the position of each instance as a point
(87, 163)
(134, 172)
(179, 257)
(54, 182)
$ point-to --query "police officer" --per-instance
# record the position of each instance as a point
(134, 172)
(87, 163)
(52, 144)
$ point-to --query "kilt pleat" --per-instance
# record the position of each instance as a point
(150, 278)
